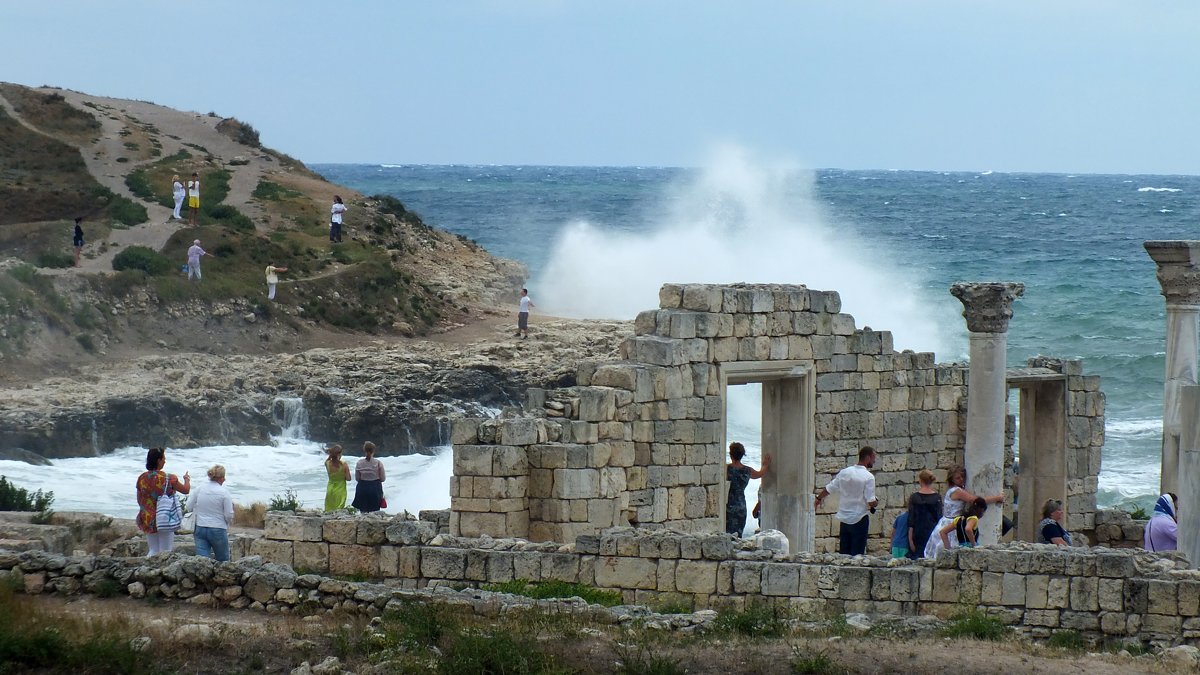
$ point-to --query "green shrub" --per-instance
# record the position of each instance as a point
(974, 623)
(816, 664)
(13, 498)
(758, 620)
(142, 258)
(1069, 640)
(494, 652)
(557, 589)
(25, 274)
(54, 259)
(126, 211)
(31, 641)
(288, 501)
(85, 340)
(224, 214)
(636, 658)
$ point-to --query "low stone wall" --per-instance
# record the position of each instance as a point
(1117, 529)
(1039, 589)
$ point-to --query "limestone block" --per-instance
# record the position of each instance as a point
(670, 296)
(905, 584)
(410, 532)
(474, 524)
(854, 583)
(991, 587)
(279, 552)
(1137, 596)
(945, 585)
(1058, 593)
(310, 557)
(500, 566)
(285, 526)
(517, 431)
(781, 579)
(1162, 597)
(371, 532)
(621, 454)
(464, 431)
(619, 375)
(509, 461)
(1110, 595)
(626, 572)
(1162, 626)
(1112, 623)
(516, 524)
(472, 460)
(1084, 594)
(1189, 598)
(389, 561)
(1035, 591)
(443, 563)
(747, 577)
(1042, 617)
(350, 559)
(527, 565)
(576, 484)
(560, 567)
(585, 432)
(1012, 589)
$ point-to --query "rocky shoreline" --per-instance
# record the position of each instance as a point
(400, 395)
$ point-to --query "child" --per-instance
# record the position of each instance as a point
(900, 536)
(965, 526)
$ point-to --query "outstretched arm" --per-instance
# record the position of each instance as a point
(762, 472)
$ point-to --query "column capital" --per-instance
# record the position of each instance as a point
(1178, 271)
(987, 304)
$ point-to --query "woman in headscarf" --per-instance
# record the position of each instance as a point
(1163, 527)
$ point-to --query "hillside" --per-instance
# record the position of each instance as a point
(65, 154)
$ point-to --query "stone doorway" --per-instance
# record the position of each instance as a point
(1041, 446)
(789, 436)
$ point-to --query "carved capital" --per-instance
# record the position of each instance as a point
(987, 304)
(1178, 274)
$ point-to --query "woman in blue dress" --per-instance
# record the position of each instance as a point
(739, 476)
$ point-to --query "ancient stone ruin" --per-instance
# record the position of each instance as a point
(642, 440)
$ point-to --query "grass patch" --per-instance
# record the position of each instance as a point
(974, 623)
(557, 589)
(757, 620)
(287, 501)
(816, 664)
(144, 259)
(87, 342)
(54, 259)
(32, 641)
(640, 659)
(1069, 640)
(254, 515)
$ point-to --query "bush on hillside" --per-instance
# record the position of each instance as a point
(142, 258)
(56, 259)
(229, 216)
(13, 498)
(239, 131)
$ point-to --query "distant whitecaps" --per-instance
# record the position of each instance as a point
(391, 166)
(1158, 189)
(1134, 427)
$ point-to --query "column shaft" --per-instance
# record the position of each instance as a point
(986, 411)
(1183, 355)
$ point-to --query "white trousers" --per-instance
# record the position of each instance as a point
(160, 542)
(178, 205)
(270, 291)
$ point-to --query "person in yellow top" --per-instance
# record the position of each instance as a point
(272, 279)
(193, 193)
(965, 526)
(339, 473)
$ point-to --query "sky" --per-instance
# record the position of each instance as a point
(1077, 86)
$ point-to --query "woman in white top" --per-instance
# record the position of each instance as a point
(214, 514)
(954, 503)
(178, 193)
(368, 493)
(335, 219)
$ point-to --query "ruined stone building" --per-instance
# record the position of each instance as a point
(642, 439)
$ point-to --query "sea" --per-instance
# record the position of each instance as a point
(600, 241)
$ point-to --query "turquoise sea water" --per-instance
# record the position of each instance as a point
(600, 240)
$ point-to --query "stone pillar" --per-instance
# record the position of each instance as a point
(1189, 474)
(1179, 278)
(988, 307)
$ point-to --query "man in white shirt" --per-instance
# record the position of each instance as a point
(194, 254)
(523, 314)
(855, 490)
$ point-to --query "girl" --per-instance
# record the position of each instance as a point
(965, 526)
(953, 504)
(368, 494)
(338, 472)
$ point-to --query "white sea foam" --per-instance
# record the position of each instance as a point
(1145, 427)
(1158, 189)
(740, 221)
(391, 166)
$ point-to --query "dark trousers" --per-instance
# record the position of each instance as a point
(335, 232)
(852, 539)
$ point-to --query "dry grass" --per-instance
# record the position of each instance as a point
(254, 515)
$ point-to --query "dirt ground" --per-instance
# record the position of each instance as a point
(249, 641)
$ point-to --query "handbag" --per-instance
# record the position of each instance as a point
(168, 512)
(189, 523)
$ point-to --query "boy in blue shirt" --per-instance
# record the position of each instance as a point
(900, 536)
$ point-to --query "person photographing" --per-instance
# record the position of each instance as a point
(854, 487)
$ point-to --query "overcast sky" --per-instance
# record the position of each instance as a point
(1023, 85)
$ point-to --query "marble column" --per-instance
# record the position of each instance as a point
(1179, 278)
(1189, 472)
(987, 309)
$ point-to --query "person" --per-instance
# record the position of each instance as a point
(523, 314)
(965, 527)
(213, 506)
(901, 534)
(193, 191)
(1162, 530)
(855, 489)
(178, 193)
(335, 219)
(739, 476)
(272, 279)
(193, 254)
(368, 471)
(77, 239)
(152, 483)
(339, 472)
(954, 502)
(924, 512)
(1050, 530)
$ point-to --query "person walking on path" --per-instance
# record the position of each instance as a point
(272, 279)
(193, 259)
(77, 239)
(193, 190)
(335, 220)
(177, 193)
(213, 506)
(954, 502)
(855, 490)
(338, 471)
(739, 476)
(1162, 530)
(924, 512)
(368, 494)
(523, 314)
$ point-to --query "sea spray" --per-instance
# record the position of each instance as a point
(738, 220)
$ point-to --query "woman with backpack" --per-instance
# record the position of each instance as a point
(153, 485)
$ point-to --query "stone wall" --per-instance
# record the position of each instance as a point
(642, 440)
(1117, 529)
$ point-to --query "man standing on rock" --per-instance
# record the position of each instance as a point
(523, 315)
(194, 254)
(855, 490)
